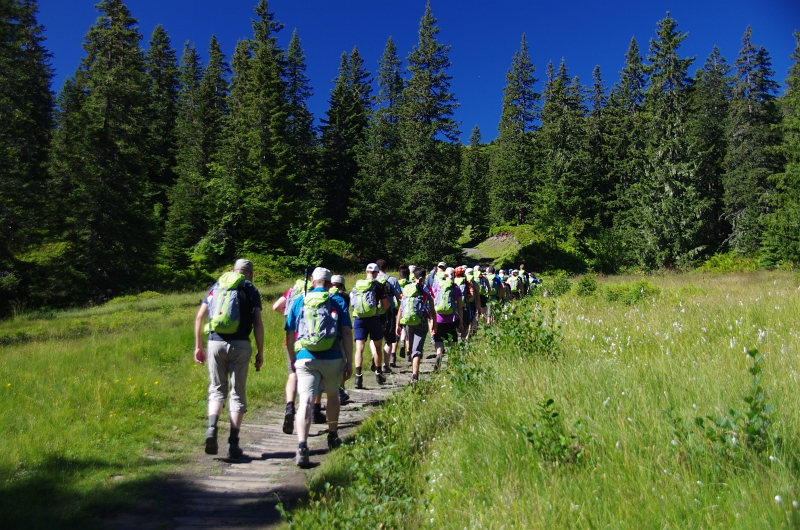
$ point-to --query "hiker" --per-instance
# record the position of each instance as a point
(338, 289)
(365, 297)
(323, 328)
(405, 279)
(436, 274)
(474, 302)
(495, 295)
(468, 295)
(283, 305)
(483, 290)
(514, 285)
(526, 286)
(448, 305)
(389, 317)
(229, 348)
(417, 316)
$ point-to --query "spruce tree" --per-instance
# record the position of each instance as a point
(378, 180)
(99, 160)
(474, 185)
(565, 198)
(26, 107)
(707, 128)
(668, 209)
(782, 226)
(162, 72)
(300, 121)
(513, 175)
(752, 156)
(429, 153)
(343, 132)
(252, 180)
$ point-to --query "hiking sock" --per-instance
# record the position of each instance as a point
(212, 420)
(358, 370)
(234, 435)
(302, 445)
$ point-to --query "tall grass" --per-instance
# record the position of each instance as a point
(98, 403)
(475, 448)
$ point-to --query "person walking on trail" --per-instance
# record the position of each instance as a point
(324, 350)
(526, 287)
(436, 275)
(283, 305)
(338, 289)
(514, 285)
(473, 301)
(389, 317)
(405, 278)
(233, 308)
(495, 296)
(468, 295)
(448, 303)
(483, 290)
(365, 298)
(418, 317)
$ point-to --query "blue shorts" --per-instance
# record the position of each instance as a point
(363, 327)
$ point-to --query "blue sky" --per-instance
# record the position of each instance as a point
(483, 35)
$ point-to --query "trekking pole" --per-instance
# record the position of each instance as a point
(305, 284)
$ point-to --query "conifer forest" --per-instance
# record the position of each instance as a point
(155, 166)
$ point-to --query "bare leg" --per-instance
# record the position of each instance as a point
(291, 387)
(359, 354)
(303, 418)
(333, 411)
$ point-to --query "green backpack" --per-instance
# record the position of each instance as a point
(224, 305)
(412, 307)
(492, 287)
(444, 300)
(318, 325)
(363, 300)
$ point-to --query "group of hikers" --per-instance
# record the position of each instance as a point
(393, 316)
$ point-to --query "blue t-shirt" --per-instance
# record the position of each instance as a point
(340, 306)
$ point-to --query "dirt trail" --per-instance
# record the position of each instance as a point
(215, 493)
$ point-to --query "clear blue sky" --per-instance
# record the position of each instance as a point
(484, 35)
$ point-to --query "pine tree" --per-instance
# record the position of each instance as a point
(668, 210)
(429, 152)
(26, 107)
(99, 158)
(162, 71)
(560, 202)
(378, 181)
(252, 184)
(474, 179)
(343, 132)
(513, 178)
(782, 226)
(708, 125)
(300, 121)
(752, 138)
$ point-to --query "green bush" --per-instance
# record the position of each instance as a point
(728, 262)
(558, 284)
(631, 293)
(587, 285)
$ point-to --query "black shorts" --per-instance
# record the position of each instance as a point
(446, 332)
(484, 300)
(389, 324)
(367, 327)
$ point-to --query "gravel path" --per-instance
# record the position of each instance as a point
(216, 493)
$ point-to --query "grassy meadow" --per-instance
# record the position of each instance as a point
(99, 403)
(482, 446)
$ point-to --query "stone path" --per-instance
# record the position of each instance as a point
(244, 493)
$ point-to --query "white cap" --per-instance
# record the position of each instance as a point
(476, 268)
(372, 267)
(411, 269)
(469, 270)
(337, 278)
(449, 271)
(321, 273)
(442, 265)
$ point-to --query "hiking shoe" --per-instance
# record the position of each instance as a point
(359, 383)
(344, 397)
(333, 441)
(212, 447)
(386, 369)
(317, 416)
(234, 451)
(414, 379)
(288, 419)
(372, 366)
(393, 362)
(301, 458)
(379, 378)
(403, 351)
(437, 363)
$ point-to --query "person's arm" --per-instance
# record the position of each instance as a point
(432, 312)
(199, 350)
(280, 305)
(290, 347)
(347, 344)
(258, 332)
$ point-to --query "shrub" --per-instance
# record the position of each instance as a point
(728, 262)
(631, 293)
(558, 285)
(587, 285)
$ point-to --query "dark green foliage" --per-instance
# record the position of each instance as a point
(549, 437)
(162, 73)
(475, 187)
(26, 108)
(586, 285)
(513, 180)
(782, 226)
(630, 293)
(428, 151)
(752, 137)
(99, 160)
